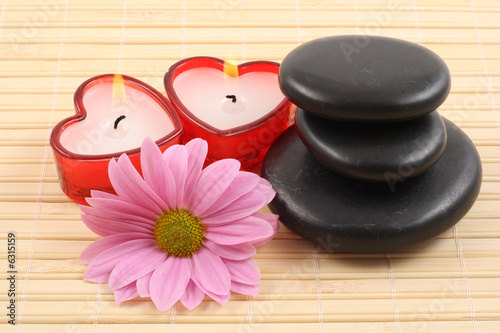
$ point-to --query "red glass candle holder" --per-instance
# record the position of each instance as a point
(248, 142)
(84, 170)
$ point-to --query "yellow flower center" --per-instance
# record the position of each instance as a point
(179, 233)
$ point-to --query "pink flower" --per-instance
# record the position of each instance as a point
(181, 232)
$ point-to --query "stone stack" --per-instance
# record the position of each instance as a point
(370, 166)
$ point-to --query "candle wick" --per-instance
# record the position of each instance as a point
(120, 118)
(232, 98)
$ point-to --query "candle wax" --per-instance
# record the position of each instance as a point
(96, 134)
(226, 102)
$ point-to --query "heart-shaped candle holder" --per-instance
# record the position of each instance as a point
(114, 113)
(239, 114)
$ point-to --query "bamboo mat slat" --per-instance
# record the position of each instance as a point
(48, 48)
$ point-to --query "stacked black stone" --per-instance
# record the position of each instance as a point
(370, 166)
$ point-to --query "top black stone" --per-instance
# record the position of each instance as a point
(364, 78)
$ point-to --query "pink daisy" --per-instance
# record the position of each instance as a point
(181, 232)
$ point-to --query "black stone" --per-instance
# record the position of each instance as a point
(364, 78)
(344, 214)
(374, 151)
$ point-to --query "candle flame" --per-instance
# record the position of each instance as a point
(230, 69)
(119, 94)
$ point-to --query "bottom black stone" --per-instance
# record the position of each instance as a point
(344, 214)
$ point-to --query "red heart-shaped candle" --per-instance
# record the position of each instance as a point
(114, 114)
(238, 110)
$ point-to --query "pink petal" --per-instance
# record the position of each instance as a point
(243, 183)
(138, 184)
(126, 293)
(107, 228)
(143, 285)
(241, 208)
(272, 219)
(245, 289)
(266, 188)
(243, 271)
(249, 229)
(210, 272)
(197, 152)
(103, 244)
(169, 282)
(136, 265)
(213, 181)
(157, 174)
(101, 266)
(193, 296)
(118, 205)
(129, 185)
(118, 217)
(176, 157)
(221, 299)
(102, 195)
(238, 252)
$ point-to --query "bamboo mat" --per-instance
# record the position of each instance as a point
(49, 47)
